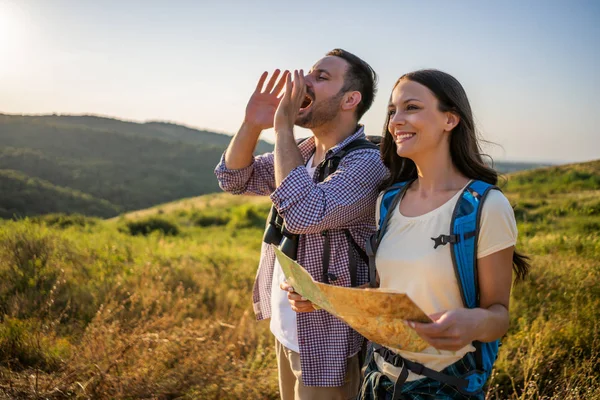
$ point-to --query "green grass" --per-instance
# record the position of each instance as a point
(90, 310)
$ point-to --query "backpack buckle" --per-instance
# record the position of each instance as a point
(396, 360)
(443, 240)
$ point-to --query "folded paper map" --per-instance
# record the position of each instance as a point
(376, 314)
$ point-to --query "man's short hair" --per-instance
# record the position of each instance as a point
(360, 77)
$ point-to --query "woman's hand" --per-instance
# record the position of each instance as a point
(294, 95)
(452, 330)
(298, 303)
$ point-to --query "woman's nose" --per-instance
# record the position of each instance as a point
(397, 119)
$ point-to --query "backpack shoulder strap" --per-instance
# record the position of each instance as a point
(390, 199)
(329, 167)
(464, 228)
(368, 142)
(332, 163)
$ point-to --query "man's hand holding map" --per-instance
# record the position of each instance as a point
(377, 314)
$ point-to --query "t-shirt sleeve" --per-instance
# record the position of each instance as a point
(498, 229)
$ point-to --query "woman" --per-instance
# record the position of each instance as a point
(430, 142)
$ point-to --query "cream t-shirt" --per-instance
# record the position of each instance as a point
(407, 262)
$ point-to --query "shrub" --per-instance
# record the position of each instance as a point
(65, 220)
(23, 344)
(211, 219)
(152, 224)
(248, 216)
(29, 269)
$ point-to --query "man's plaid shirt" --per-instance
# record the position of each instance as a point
(345, 199)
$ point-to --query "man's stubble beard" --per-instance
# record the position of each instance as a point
(322, 113)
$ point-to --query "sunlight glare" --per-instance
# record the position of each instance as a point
(11, 28)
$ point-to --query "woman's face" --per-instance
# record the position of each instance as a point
(416, 123)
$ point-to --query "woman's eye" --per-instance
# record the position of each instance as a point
(411, 107)
(391, 112)
(321, 78)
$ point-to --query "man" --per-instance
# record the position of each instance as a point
(317, 354)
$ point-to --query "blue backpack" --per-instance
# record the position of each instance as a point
(464, 230)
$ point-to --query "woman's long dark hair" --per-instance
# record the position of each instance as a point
(465, 150)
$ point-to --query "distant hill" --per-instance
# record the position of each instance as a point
(103, 166)
(23, 195)
(121, 165)
(569, 179)
(506, 167)
(151, 129)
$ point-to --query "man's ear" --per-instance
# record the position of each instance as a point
(452, 120)
(351, 100)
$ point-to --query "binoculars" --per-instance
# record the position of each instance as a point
(277, 234)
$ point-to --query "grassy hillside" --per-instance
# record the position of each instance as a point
(26, 196)
(157, 303)
(127, 165)
(553, 348)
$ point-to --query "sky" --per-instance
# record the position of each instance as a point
(531, 68)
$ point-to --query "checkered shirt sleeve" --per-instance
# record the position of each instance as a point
(258, 178)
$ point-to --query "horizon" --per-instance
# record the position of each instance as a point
(530, 70)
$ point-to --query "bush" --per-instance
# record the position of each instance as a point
(593, 209)
(29, 270)
(152, 224)
(23, 344)
(212, 219)
(248, 216)
(65, 220)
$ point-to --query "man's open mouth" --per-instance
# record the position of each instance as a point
(306, 103)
